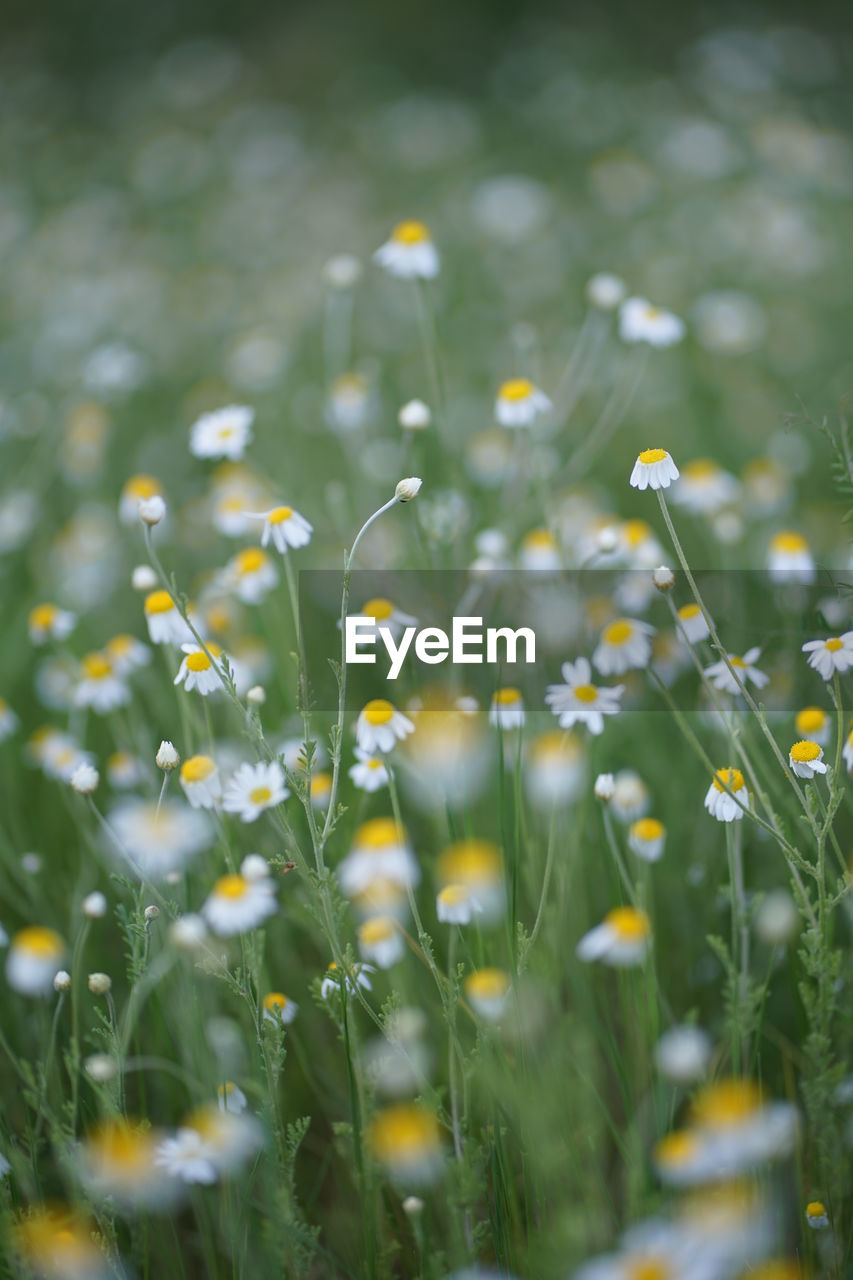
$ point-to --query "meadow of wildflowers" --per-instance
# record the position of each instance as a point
(537, 966)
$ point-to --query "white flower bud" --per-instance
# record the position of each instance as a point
(342, 271)
(607, 539)
(254, 867)
(94, 905)
(605, 291)
(605, 786)
(31, 863)
(167, 757)
(682, 1054)
(99, 983)
(144, 578)
(408, 488)
(152, 510)
(85, 779)
(62, 980)
(188, 932)
(100, 1067)
(414, 416)
(776, 919)
(663, 578)
(413, 1206)
(256, 696)
(152, 912)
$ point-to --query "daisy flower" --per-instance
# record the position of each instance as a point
(414, 415)
(813, 723)
(830, 656)
(646, 838)
(487, 992)
(380, 726)
(370, 772)
(718, 802)
(639, 321)
(253, 788)
(127, 654)
(34, 956)
(231, 1139)
(405, 1139)
(682, 1053)
(384, 613)
(630, 799)
(721, 677)
(410, 253)
(806, 759)
(519, 403)
(200, 781)
(380, 940)
(478, 866)
(99, 686)
(252, 575)
(230, 1097)
(540, 552)
(165, 624)
(197, 671)
(137, 489)
(691, 622)
(321, 790)
(349, 403)
(622, 940)
(555, 769)
(654, 469)
(579, 702)
(119, 1160)
(284, 527)
(57, 1243)
(704, 487)
(158, 840)
(225, 433)
(358, 976)
(789, 559)
(9, 722)
(279, 1008)
(605, 291)
(624, 645)
(847, 752)
(455, 904)
(237, 904)
(507, 709)
(187, 1157)
(816, 1215)
(380, 852)
(49, 622)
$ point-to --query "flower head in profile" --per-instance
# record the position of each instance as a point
(519, 403)
(487, 991)
(507, 709)
(58, 1243)
(380, 726)
(99, 686)
(640, 321)
(830, 656)
(279, 1008)
(692, 623)
(380, 940)
(727, 797)
(790, 559)
(409, 253)
(237, 904)
(33, 959)
(405, 1139)
(251, 574)
(580, 702)
(654, 469)
(284, 527)
(200, 668)
(624, 645)
(49, 622)
(721, 677)
(165, 624)
(646, 838)
(224, 433)
(622, 939)
(806, 759)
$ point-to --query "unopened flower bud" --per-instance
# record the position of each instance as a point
(254, 867)
(85, 779)
(408, 488)
(188, 932)
(605, 786)
(100, 1067)
(663, 578)
(62, 980)
(152, 912)
(607, 539)
(99, 983)
(256, 696)
(343, 271)
(94, 905)
(167, 757)
(152, 510)
(605, 291)
(776, 919)
(414, 416)
(143, 578)
(413, 1206)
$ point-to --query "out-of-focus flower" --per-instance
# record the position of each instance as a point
(405, 1139)
(157, 840)
(380, 726)
(622, 940)
(237, 905)
(251, 574)
(370, 772)
(487, 991)
(49, 622)
(605, 291)
(519, 403)
(555, 769)
(201, 783)
(58, 1243)
(682, 1054)
(225, 433)
(118, 1159)
(830, 656)
(646, 838)
(639, 321)
(165, 624)
(279, 1008)
(380, 852)
(691, 621)
(704, 487)
(720, 804)
(414, 416)
(34, 956)
(254, 788)
(507, 709)
(409, 253)
(380, 941)
(478, 866)
(789, 559)
(99, 687)
(140, 488)
(721, 677)
(816, 1215)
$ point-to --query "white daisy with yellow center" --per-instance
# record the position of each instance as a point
(380, 851)
(520, 402)
(456, 904)
(9, 722)
(34, 956)
(830, 656)
(284, 527)
(813, 723)
(746, 672)
(165, 624)
(790, 559)
(199, 670)
(623, 939)
(349, 403)
(125, 770)
(639, 546)
(806, 759)
(230, 1097)
(201, 783)
(156, 840)
(847, 752)
(380, 726)
(224, 433)
(251, 574)
(624, 645)
(279, 1008)
(384, 613)
(487, 991)
(188, 1158)
(321, 790)
(478, 866)
(704, 487)
(254, 788)
(540, 552)
(646, 838)
(380, 940)
(127, 654)
(406, 1140)
(230, 1140)
(237, 904)
(654, 469)
(555, 769)
(56, 753)
(507, 709)
(578, 701)
(630, 799)
(369, 773)
(816, 1215)
(49, 622)
(118, 1159)
(692, 623)
(58, 1243)
(409, 253)
(640, 321)
(99, 686)
(358, 976)
(139, 488)
(727, 798)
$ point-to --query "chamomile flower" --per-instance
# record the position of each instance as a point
(789, 559)
(719, 803)
(127, 654)
(9, 722)
(704, 487)
(721, 677)
(654, 469)
(605, 291)
(622, 940)
(187, 1157)
(358, 976)
(230, 1097)
(646, 838)
(197, 671)
(507, 709)
(555, 769)
(350, 403)
(487, 992)
(624, 645)
(231, 1140)
(630, 799)
(847, 752)
(165, 624)
(692, 624)
(119, 1160)
(405, 1139)
(99, 686)
(57, 1243)
(237, 905)
(410, 253)
(519, 403)
(321, 790)
(384, 613)
(279, 1008)
(455, 904)
(225, 433)
(478, 866)
(380, 852)
(816, 1215)
(806, 759)
(201, 783)
(34, 956)
(832, 655)
(380, 726)
(540, 552)
(815, 724)
(284, 527)
(370, 772)
(140, 488)
(682, 1054)
(156, 840)
(639, 321)
(254, 788)
(580, 702)
(49, 622)
(252, 575)
(380, 940)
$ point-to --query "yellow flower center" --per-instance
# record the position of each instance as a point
(636, 532)
(260, 795)
(42, 617)
(648, 829)
(404, 1131)
(373, 763)
(815, 1209)
(539, 540)
(142, 487)
(379, 833)
(453, 895)
(556, 745)
(40, 942)
(280, 515)
(516, 389)
(379, 929)
(736, 661)
(585, 692)
(676, 1148)
(197, 768)
(648, 1269)
(470, 862)
(688, 611)
(790, 542)
(731, 778)
(810, 720)
(834, 644)
(803, 752)
(649, 456)
(275, 1000)
(250, 560)
(126, 1150)
(487, 984)
(727, 1102)
(701, 469)
(96, 666)
(231, 887)
(197, 662)
(158, 602)
(410, 232)
(506, 697)
(378, 711)
(618, 632)
(321, 785)
(119, 646)
(378, 608)
(629, 924)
